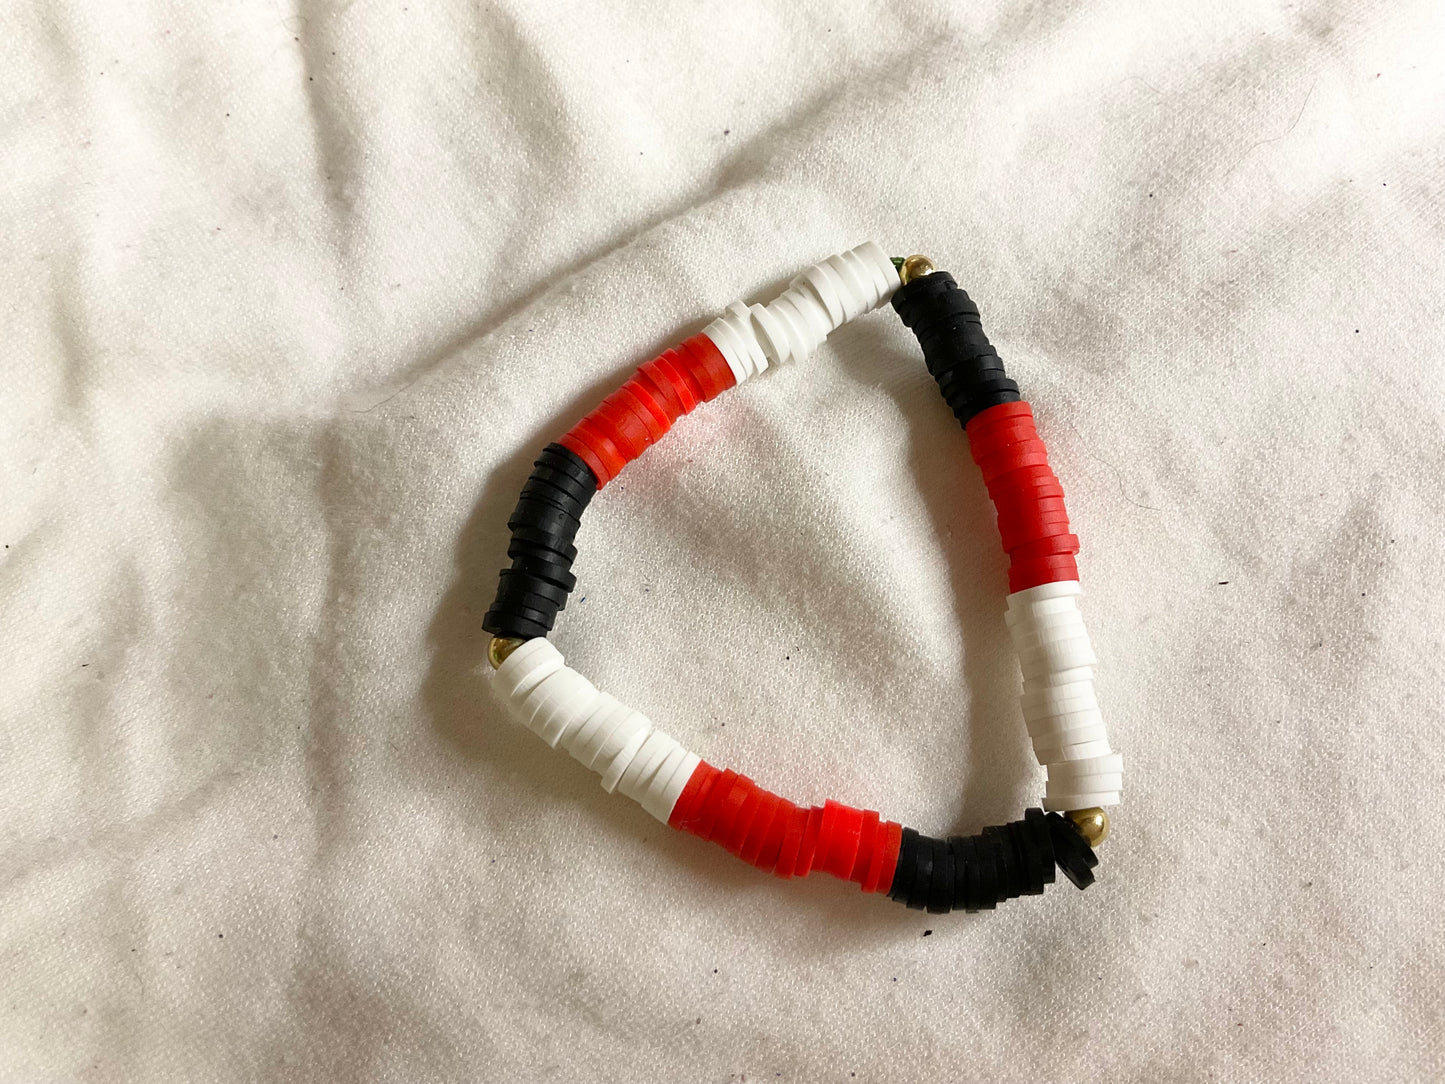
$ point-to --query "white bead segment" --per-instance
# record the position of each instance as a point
(1064, 802)
(1094, 784)
(1052, 699)
(1083, 750)
(1061, 710)
(1113, 764)
(1067, 727)
(637, 728)
(1058, 589)
(563, 708)
(1041, 660)
(817, 302)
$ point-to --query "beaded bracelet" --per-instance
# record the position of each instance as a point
(679, 788)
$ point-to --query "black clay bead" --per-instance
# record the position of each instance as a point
(960, 870)
(987, 896)
(523, 622)
(902, 886)
(1072, 851)
(940, 892)
(543, 525)
(958, 354)
(537, 542)
(967, 852)
(544, 517)
(543, 566)
(1037, 825)
(922, 874)
(514, 583)
(563, 460)
(1033, 861)
(997, 840)
(975, 873)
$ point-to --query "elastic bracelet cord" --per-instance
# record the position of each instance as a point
(675, 785)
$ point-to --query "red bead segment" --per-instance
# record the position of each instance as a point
(1026, 494)
(773, 834)
(636, 415)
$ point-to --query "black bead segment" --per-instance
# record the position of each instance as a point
(959, 355)
(975, 873)
(544, 526)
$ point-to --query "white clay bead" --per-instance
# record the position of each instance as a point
(618, 743)
(1056, 729)
(1056, 678)
(628, 733)
(668, 784)
(1085, 750)
(1049, 748)
(1077, 696)
(1113, 764)
(525, 667)
(614, 766)
(1034, 611)
(1045, 591)
(1061, 655)
(633, 781)
(1052, 626)
(1064, 802)
(1089, 783)
(587, 744)
(558, 704)
(816, 302)
(1060, 706)
(676, 754)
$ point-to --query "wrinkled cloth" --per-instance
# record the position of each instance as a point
(294, 294)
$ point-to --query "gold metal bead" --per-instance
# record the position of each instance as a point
(915, 267)
(1093, 824)
(500, 648)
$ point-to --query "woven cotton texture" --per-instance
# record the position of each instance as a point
(293, 295)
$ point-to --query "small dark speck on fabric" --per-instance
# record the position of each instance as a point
(927, 933)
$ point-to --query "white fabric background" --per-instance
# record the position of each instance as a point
(293, 295)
